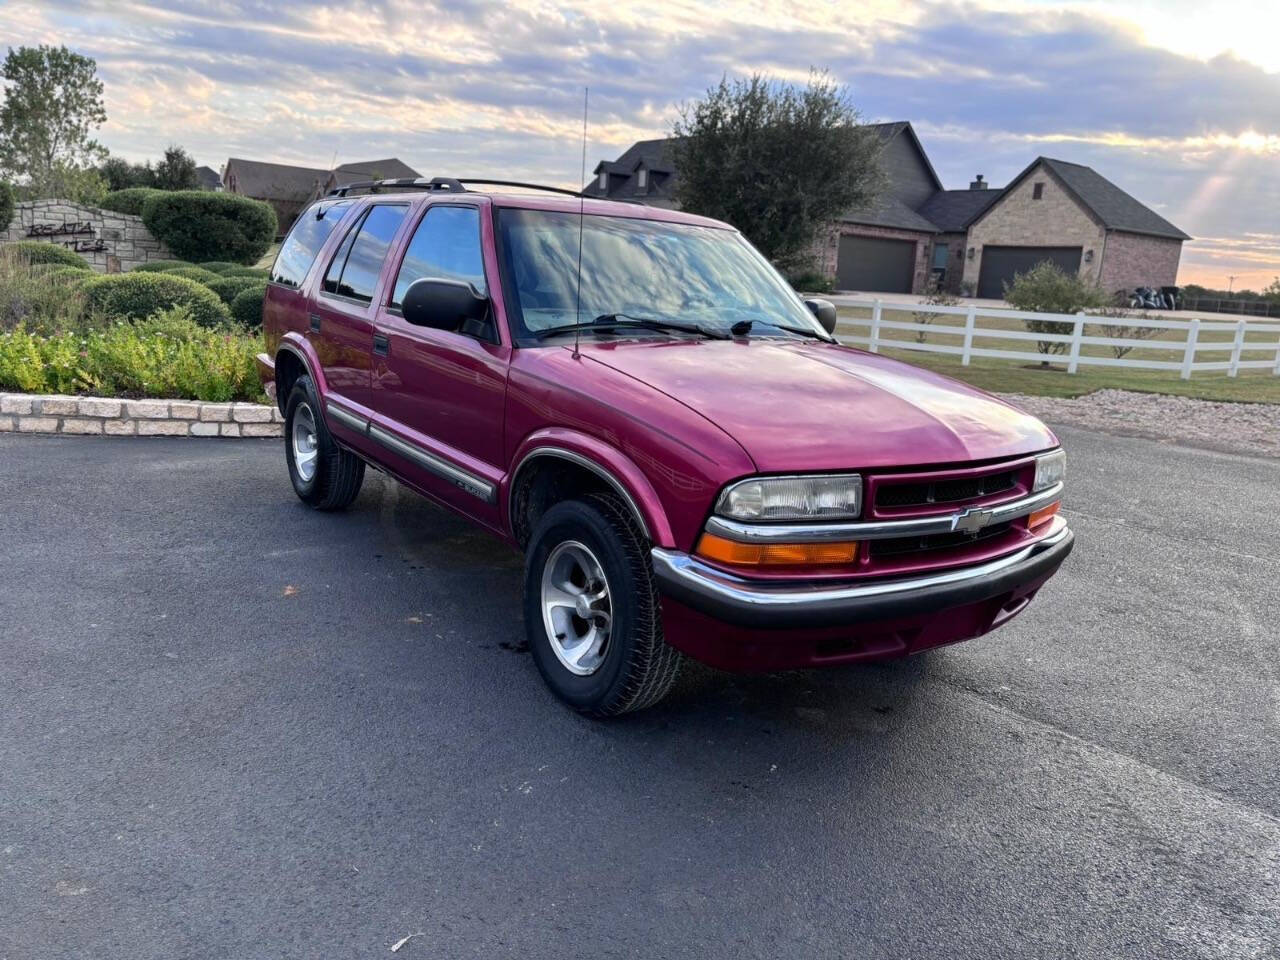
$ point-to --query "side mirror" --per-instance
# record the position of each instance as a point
(443, 304)
(825, 311)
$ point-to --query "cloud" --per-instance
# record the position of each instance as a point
(496, 89)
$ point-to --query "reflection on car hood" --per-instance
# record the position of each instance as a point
(805, 405)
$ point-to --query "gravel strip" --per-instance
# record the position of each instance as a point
(1252, 428)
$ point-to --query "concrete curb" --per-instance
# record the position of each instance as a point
(43, 413)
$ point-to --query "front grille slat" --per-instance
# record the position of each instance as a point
(917, 494)
(937, 541)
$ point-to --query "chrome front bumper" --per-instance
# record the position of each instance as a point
(752, 603)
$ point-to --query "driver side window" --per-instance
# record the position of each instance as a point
(446, 246)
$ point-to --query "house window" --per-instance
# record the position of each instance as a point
(642, 179)
(604, 179)
(940, 256)
(1037, 191)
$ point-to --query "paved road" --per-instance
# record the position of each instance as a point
(234, 728)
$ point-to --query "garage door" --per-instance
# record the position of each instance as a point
(871, 263)
(1000, 264)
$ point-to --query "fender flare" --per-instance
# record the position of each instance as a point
(296, 345)
(608, 463)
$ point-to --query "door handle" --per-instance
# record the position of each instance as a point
(381, 345)
(315, 323)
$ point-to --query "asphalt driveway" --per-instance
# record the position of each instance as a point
(234, 728)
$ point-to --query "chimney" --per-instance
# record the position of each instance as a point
(978, 183)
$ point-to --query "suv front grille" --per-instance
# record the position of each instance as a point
(936, 541)
(918, 494)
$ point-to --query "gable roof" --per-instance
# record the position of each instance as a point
(208, 178)
(272, 181)
(954, 210)
(657, 155)
(392, 168)
(886, 210)
(1111, 206)
(887, 131)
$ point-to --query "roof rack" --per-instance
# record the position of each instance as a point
(441, 185)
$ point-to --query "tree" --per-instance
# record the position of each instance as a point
(778, 161)
(120, 174)
(52, 102)
(1272, 291)
(177, 171)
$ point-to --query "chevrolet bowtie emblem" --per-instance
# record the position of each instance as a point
(972, 520)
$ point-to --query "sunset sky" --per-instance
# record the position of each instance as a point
(1176, 101)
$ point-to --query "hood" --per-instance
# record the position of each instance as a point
(804, 406)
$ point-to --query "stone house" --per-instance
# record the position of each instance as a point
(916, 234)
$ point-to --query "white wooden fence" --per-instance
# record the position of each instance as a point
(1184, 352)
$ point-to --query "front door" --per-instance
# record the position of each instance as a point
(443, 392)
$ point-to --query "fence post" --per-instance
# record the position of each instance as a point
(1074, 362)
(1236, 346)
(1277, 369)
(1189, 355)
(874, 346)
(969, 319)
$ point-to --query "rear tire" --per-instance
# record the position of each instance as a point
(324, 475)
(591, 609)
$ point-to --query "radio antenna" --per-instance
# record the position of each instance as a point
(577, 313)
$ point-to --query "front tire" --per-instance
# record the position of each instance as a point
(591, 609)
(324, 475)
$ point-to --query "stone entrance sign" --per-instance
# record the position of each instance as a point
(111, 242)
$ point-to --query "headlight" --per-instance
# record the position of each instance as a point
(831, 497)
(1050, 469)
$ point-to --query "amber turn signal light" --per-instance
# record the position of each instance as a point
(1043, 514)
(777, 554)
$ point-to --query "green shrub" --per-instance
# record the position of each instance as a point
(1047, 288)
(135, 296)
(128, 200)
(202, 225)
(228, 287)
(6, 205)
(35, 251)
(165, 355)
(161, 266)
(256, 272)
(246, 308)
(34, 297)
(810, 281)
(220, 266)
(198, 274)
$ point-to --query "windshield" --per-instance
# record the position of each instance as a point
(693, 276)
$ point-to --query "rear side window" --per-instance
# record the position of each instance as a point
(354, 270)
(303, 244)
(445, 246)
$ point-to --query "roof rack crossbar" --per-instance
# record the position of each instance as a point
(441, 185)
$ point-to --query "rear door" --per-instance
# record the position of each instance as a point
(341, 319)
(443, 392)
(1001, 264)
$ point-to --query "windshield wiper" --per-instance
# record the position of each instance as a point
(743, 327)
(613, 321)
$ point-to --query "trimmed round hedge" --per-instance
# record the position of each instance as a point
(203, 225)
(198, 274)
(246, 308)
(137, 296)
(129, 200)
(64, 274)
(228, 287)
(161, 266)
(33, 251)
(256, 272)
(220, 266)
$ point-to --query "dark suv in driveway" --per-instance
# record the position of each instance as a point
(689, 460)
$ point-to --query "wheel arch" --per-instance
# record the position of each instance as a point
(579, 465)
(293, 358)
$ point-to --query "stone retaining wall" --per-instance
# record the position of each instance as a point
(111, 242)
(31, 413)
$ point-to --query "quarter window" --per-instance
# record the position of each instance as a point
(303, 244)
(354, 269)
(445, 246)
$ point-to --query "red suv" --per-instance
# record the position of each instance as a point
(638, 401)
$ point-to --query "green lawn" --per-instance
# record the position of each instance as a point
(1018, 376)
